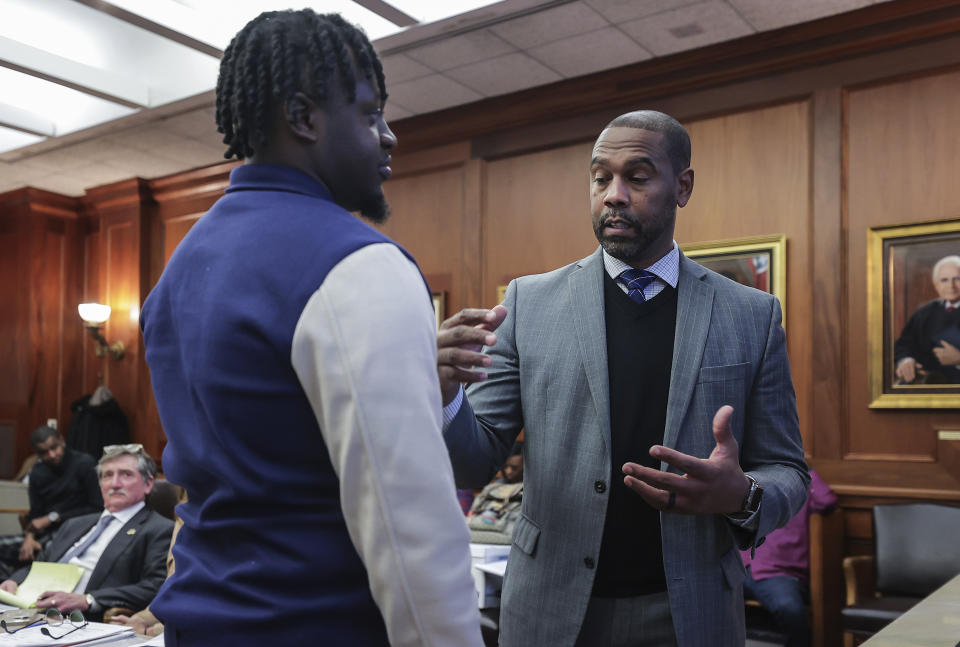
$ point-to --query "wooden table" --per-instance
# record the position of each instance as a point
(933, 622)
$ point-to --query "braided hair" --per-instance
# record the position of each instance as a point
(278, 54)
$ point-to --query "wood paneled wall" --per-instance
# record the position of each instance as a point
(840, 125)
(40, 337)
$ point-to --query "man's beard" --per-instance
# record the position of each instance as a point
(374, 208)
(645, 233)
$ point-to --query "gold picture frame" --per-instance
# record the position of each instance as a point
(757, 261)
(902, 301)
(439, 307)
(501, 293)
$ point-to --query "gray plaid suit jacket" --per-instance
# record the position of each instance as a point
(549, 377)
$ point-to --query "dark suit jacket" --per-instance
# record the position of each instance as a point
(132, 567)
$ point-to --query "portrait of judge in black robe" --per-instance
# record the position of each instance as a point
(928, 349)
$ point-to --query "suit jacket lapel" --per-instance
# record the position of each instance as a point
(694, 307)
(115, 548)
(586, 295)
(66, 543)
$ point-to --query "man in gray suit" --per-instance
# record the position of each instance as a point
(660, 420)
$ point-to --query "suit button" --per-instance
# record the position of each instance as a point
(600, 486)
(588, 562)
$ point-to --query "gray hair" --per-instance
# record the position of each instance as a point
(145, 465)
(946, 260)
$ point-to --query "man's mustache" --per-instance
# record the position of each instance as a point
(615, 214)
(117, 490)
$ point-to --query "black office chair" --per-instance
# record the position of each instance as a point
(916, 552)
(164, 498)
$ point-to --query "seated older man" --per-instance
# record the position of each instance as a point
(122, 550)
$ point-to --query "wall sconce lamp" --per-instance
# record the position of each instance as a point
(94, 315)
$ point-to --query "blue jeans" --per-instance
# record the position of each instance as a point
(785, 598)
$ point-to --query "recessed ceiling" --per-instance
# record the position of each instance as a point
(97, 91)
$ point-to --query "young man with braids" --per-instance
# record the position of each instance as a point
(292, 353)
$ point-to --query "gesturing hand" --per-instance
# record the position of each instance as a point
(459, 341)
(714, 485)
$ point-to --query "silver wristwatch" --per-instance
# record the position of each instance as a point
(751, 502)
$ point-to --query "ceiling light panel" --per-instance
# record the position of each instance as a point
(68, 109)
(26, 121)
(215, 22)
(12, 139)
(71, 30)
(431, 11)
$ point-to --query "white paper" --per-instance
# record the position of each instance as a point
(494, 568)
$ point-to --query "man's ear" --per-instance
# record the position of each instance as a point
(303, 117)
(684, 187)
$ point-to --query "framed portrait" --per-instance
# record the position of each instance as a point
(913, 315)
(440, 307)
(758, 262)
(501, 293)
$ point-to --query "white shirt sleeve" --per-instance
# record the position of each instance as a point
(365, 352)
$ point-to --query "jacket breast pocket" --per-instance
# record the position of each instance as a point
(525, 535)
(723, 373)
(718, 386)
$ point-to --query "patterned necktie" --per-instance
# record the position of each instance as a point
(636, 281)
(79, 550)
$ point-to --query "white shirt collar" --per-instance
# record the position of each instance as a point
(125, 515)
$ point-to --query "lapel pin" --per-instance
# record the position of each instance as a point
(132, 531)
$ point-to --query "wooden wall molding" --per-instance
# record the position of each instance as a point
(702, 103)
(205, 182)
(876, 28)
(122, 195)
(887, 495)
(421, 161)
(40, 203)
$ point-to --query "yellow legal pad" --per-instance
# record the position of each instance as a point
(43, 576)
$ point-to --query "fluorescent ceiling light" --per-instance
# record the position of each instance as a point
(68, 109)
(431, 11)
(57, 27)
(122, 55)
(215, 22)
(13, 139)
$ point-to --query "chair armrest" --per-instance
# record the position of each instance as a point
(858, 573)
